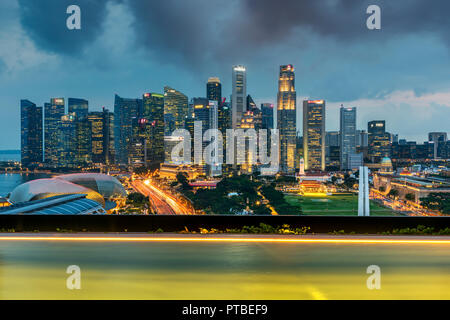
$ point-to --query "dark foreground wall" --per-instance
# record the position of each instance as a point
(318, 224)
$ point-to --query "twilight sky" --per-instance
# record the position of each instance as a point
(400, 73)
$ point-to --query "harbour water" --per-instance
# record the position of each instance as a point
(8, 181)
(186, 270)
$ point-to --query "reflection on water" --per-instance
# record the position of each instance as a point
(161, 270)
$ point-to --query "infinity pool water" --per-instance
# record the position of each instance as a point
(222, 270)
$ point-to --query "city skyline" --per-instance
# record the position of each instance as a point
(332, 121)
(336, 57)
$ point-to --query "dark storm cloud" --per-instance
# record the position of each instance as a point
(202, 31)
(344, 19)
(45, 22)
(189, 30)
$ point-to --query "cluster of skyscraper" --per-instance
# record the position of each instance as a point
(76, 138)
(139, 132)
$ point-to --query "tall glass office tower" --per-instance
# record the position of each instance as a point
(99, 125)
(347, 135)
(31, 133)
(175, 114)
(67, 146)
(153, 112)
(124, 111)
(80, 107)
(314, 134)
(53, 112)
(379, 140)
(175, 104)
(239, 95)
(214, 90)
(267, 116)
(286, 118)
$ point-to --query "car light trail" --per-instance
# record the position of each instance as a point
(225, 239)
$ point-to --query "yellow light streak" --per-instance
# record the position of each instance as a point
(225, 239)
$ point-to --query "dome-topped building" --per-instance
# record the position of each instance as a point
(98, 187)
(386, 165)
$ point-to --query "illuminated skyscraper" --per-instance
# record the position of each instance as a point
(224, 117)
(314, 134)
(224, 124)
(175, 104)
(175, 114)
(153, 112)
(53, 112)
(124, 111)
(201, 113)
(214, 90)
(347, 135)
(379, 141)
(239, 95)
(137, 154)
(99, 127)
(267, 116)
(67, 142)
(250, 156)
(286, 118)
(80, 107)
(215, 168)
(111, 149)
(31, 133)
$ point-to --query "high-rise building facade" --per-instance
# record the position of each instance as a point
(99, 127)
(332, 150)
(379, 141)
(137, 154)
(175, 114)
(251, 105)
(214, 90)
(314, 134)
(153, 111)
(80, 107)
(124, 111)
(437, 138)
(239, 95)
(67, 142)
(286, 118)
(53, 113)
(347, 135)
(31, 133)
(175, 104)
(362, 138)
(224, 117)
(215, 166)
(201, 113)
(267, 116)
(111, 144)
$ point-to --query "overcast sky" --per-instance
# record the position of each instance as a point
(400, 73)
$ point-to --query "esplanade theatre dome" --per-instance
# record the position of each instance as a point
(108, 186)
(46, 188)
(97, 187)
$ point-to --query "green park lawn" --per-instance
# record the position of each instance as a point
(345, 205)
